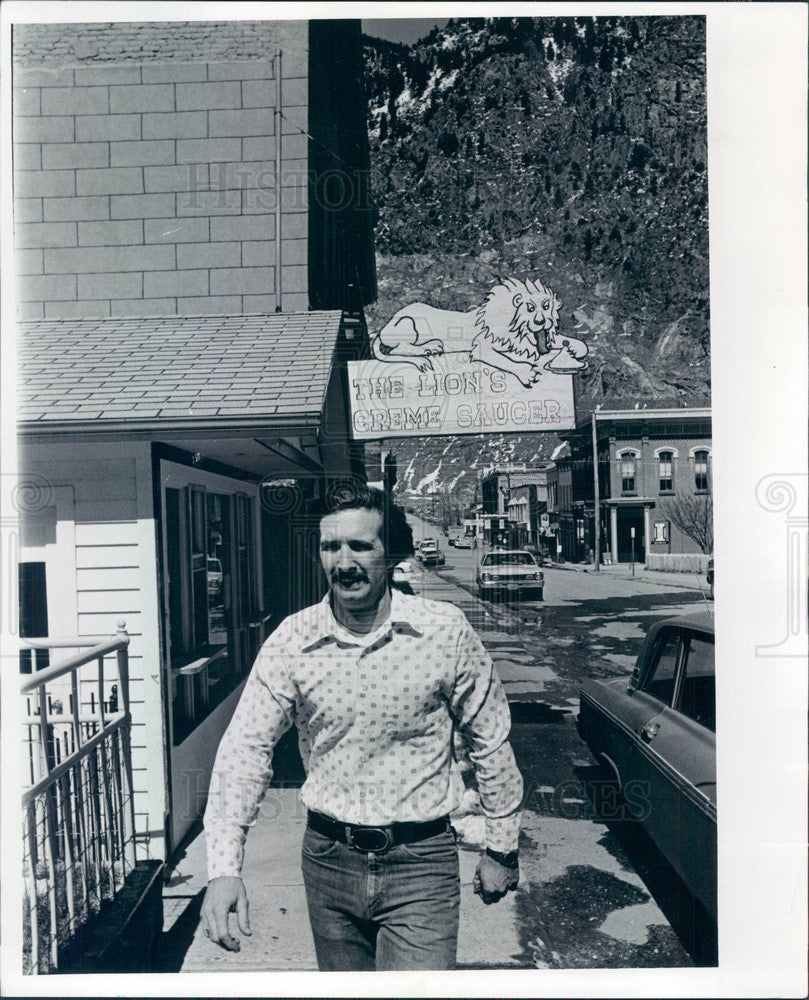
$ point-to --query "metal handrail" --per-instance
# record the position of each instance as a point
(78, 813)
(72, 663)
(65, 642)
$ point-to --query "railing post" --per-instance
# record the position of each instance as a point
(31, 883)
(126, 737)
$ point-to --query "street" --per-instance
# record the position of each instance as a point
(595, 891)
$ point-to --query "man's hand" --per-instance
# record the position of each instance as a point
(224, 895)
(492, 880)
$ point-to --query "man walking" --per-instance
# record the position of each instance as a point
(376, 682)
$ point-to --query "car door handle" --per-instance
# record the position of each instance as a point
(649, 731)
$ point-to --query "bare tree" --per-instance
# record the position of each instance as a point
(693, 515)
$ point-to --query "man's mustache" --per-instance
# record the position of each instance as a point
(346, 579)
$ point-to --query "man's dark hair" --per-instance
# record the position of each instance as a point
(397, 535)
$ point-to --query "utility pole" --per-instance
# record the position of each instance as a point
(597, 511)
(389, 472)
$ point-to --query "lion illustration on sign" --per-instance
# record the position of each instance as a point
(513, 330)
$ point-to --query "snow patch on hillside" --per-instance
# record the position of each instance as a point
(429, 479)
(409, 472)
(559, 70)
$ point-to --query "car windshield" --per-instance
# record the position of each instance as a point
(508, 559)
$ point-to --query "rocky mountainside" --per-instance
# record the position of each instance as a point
(569, 149)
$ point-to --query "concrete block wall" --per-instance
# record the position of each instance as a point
(149, 188)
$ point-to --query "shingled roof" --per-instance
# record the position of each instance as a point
(174, 370)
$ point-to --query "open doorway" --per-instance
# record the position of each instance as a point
(630, 522)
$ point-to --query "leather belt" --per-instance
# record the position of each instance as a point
(376, 839)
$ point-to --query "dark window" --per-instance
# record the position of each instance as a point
(698, 691)
(33, 613)
(664, 461)
(660, 681)
(701, 471)
(627, 473)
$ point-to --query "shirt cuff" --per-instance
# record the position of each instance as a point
(225, 855)
(503, 833)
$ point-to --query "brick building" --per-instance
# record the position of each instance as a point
(513, 500)
(650, 462)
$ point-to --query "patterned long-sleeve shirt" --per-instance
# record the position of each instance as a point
(375, 716)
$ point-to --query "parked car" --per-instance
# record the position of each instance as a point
(509, 571)
(465, 542)
(430, 554)
(709, 577)
(214, 576)
(655, 732)
(404, 572)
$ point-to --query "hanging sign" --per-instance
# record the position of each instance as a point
(500, 367)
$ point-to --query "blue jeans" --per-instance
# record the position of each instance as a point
(397, 910)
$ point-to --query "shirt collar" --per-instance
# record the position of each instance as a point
(327, 629)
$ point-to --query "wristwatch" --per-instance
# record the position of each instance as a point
(510, 860)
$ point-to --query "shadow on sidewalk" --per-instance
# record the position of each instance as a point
(177, 940)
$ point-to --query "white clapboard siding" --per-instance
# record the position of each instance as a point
(140, 756)
(108, 578)
(114, 601)
(106, 623)
(116, 533)
(106, 556)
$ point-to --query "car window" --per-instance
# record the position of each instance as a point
(660, 679)
(508, 559)
(698, 691)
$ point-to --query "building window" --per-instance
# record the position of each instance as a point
(33, 603)
(628, 472)
(664, 470)
(701, 471)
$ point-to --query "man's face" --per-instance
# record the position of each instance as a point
(353, 558)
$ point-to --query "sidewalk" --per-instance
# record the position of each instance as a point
(281, 938)
(682, 581)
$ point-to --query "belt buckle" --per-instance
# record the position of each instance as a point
(357, 839)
